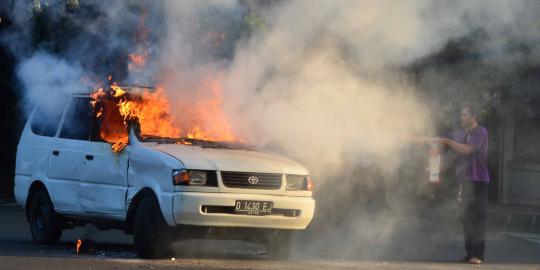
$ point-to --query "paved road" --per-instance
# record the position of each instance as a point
(113, 250)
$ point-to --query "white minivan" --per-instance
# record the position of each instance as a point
(156, 189)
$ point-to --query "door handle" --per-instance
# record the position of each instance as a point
(89, 157)
(56, 152)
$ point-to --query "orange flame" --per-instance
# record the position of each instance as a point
(200, 120)
(204, 118)
(116, 108)
(137, 60)
(152, 110)
(79, 243)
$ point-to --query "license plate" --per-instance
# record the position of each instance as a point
(256, 208)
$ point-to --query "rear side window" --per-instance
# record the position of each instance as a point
(45, 121)
(78, 122)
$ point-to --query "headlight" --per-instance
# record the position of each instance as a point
(191, 178)
(299, 182)
(197, 178)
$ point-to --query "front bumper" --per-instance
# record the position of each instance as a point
(213, 209)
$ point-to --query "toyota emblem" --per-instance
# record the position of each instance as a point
(253, 180)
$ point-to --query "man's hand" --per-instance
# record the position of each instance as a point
(442, 141)
(461, 148)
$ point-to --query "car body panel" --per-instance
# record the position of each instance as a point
(104, 180)
(63, 174)
(199, 158)
(151, 169)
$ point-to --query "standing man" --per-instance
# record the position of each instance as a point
(472, 175)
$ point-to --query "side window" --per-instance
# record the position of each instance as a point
(45, 121)
(78, 122)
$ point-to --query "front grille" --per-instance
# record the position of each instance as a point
(241, 180)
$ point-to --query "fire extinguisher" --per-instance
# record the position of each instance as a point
(434, 163)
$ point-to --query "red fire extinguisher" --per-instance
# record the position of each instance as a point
(434, 167)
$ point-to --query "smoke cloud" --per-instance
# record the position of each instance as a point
(327, 83)
(50, 79)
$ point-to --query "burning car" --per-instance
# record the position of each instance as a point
(99, 161)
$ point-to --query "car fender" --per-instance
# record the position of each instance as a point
(152, 169)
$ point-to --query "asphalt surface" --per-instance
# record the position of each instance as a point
(113, 250)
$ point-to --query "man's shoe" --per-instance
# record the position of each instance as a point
(474, 260)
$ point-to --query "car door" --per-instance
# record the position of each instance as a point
(103, 178)
(104, 181)
(66, 158)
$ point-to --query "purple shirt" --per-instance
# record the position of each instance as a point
(472, 167)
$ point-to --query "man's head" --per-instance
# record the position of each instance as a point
(469, 117)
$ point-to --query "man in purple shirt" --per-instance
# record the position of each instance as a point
(472, 175)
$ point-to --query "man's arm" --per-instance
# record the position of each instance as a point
(461, 148)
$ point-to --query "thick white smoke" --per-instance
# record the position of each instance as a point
(324, 82)
(49, 81)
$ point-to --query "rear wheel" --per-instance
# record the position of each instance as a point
(45, 224)
(151, 233)
(279, 245)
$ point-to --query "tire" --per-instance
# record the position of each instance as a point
(279, 246)
(45, 224)
(151, 233)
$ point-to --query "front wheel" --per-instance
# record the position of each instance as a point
(152, 235)
(45, 224)
(279, 245)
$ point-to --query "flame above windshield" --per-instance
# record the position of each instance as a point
(151, 110)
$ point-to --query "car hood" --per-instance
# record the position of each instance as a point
(195, 157)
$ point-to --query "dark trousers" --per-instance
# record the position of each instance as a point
(474, 202)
